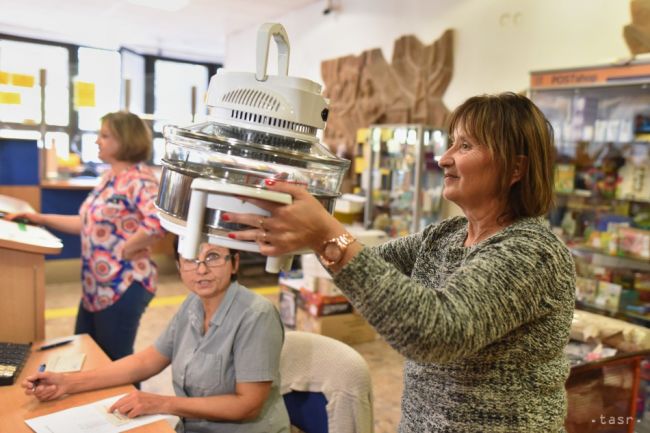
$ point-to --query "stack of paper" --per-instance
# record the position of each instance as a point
(93, 418)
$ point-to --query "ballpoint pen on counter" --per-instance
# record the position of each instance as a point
(53, 345)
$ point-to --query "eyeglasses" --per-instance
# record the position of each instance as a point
(212, 260)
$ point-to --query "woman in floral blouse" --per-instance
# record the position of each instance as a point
(118, 224)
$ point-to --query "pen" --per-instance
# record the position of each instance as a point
(53, 345)
(41, 368)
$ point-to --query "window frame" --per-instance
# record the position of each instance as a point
(73, 131)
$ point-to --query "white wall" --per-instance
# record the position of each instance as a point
(493, 53)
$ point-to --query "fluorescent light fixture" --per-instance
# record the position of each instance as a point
(165, 5)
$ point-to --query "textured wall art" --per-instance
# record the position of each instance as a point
(366, 89)
(637, 34)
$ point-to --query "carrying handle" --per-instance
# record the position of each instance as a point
(263, 39)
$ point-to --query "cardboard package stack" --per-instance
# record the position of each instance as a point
(311, 302)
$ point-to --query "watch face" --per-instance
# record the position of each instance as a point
(332, 252)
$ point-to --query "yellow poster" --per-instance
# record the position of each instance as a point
(4, 77)
(84, 94)
(22, 80)
(12, 98)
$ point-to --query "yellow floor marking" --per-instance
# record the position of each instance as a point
(164, 301)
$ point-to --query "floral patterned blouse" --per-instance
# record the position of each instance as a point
(111, 214)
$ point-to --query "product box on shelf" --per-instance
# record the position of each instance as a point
(602, 273)
(586, 290)
(642, 285)
(634, 181)
(564, 181)
(609, 296)
(634, 242)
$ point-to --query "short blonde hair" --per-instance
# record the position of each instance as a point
(133, 134)
(510, 125)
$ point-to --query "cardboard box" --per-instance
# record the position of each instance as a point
(288, 305)
(315, 304)
(349, 328)
(318, 304)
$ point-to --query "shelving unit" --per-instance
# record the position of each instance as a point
(402, 178)
(601, 121)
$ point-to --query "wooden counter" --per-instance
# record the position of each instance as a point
(22, 263)
(16, 407)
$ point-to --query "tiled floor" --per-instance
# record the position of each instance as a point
(385, 364)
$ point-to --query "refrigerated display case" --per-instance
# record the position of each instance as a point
(402, 179)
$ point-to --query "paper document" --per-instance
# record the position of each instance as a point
(65, 363)
(28, 234)
(23, 233)
(14, 205)
(93, 418)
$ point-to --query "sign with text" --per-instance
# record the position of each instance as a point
(590, 76)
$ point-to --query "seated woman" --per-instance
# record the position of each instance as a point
(224, 346)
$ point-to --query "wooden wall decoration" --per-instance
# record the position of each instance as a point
(637, 34)
(366, 89)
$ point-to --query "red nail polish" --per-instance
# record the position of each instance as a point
(225, 217)
(269, 182)
(232, 236)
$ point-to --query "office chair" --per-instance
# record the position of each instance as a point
(325, 384)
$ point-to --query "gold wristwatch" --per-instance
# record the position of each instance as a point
(333, 250)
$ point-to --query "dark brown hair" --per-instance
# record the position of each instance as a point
(132, 133)
(510, 125)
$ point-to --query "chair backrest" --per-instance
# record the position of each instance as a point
(313, 364)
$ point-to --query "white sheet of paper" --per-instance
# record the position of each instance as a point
(66, 362)
(28, 234)
(14, 205)
(92, 418)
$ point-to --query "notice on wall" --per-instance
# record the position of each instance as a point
(4, 77)
(22, 80)
(12, 98)
(84, 94)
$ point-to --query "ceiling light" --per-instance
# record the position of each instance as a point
(166, 5)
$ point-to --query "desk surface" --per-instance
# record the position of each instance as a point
(15, 406)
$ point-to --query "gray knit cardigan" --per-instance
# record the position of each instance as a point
(482, 328)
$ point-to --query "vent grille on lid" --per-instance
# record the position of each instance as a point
(272, 121)
(252, 98)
